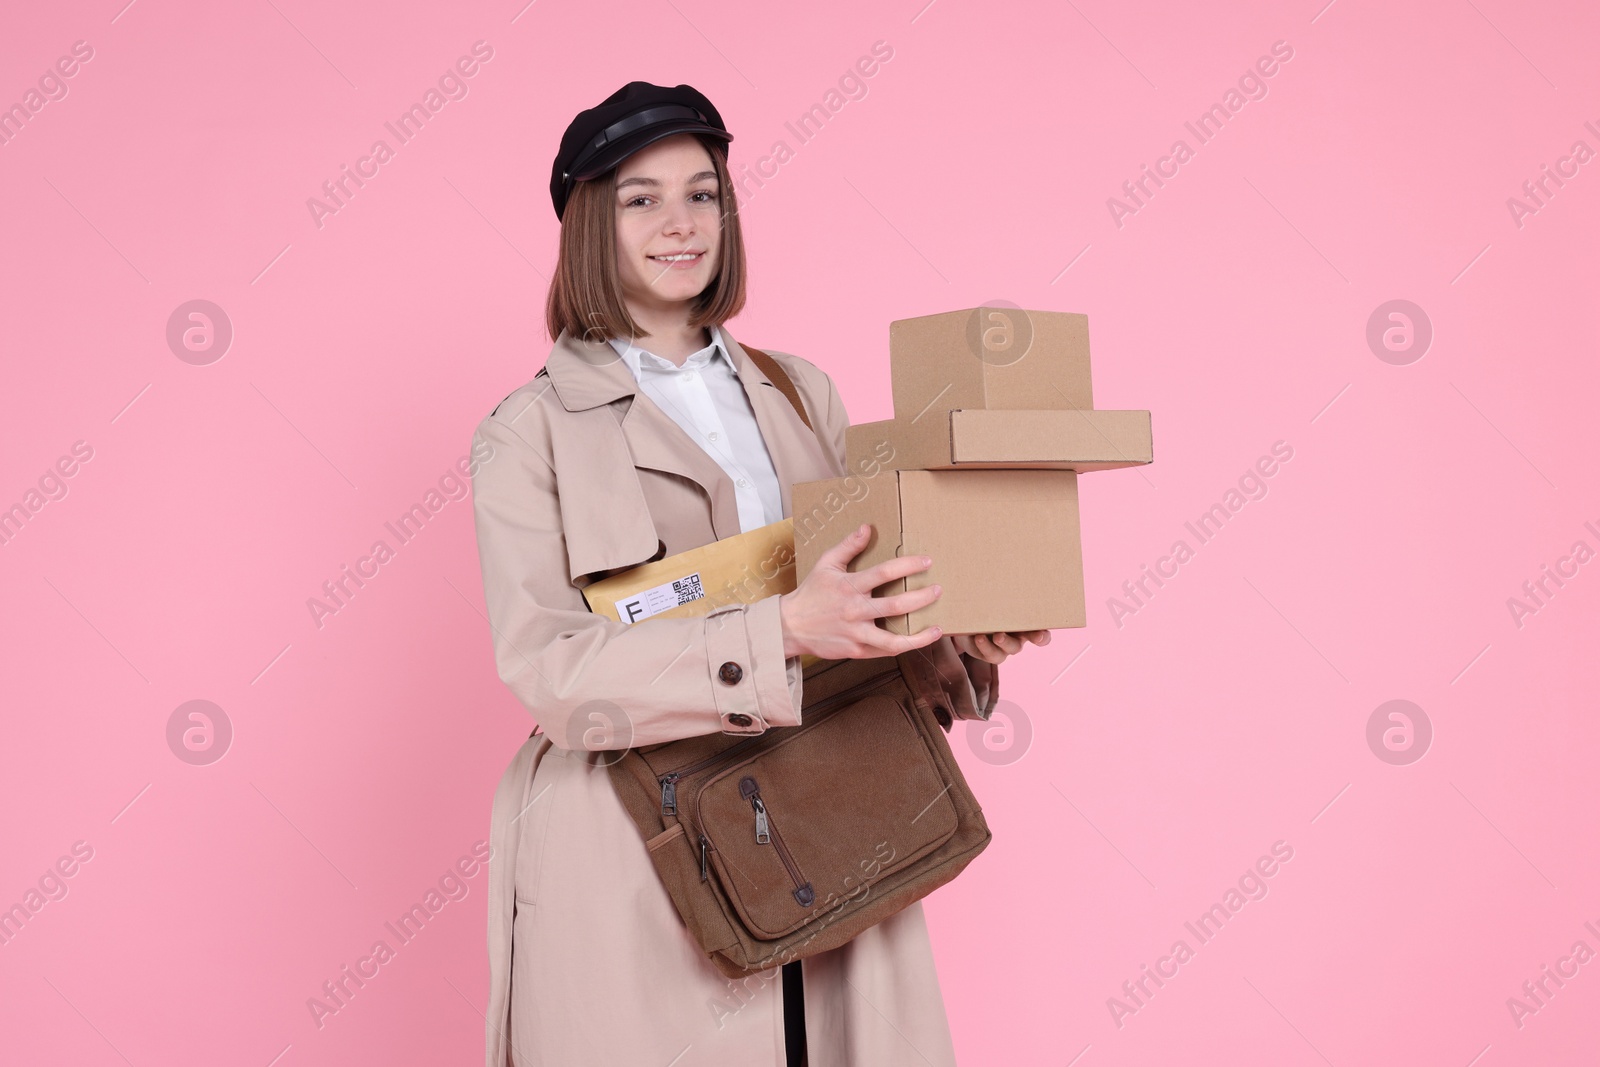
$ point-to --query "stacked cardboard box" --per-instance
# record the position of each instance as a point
(994, 421)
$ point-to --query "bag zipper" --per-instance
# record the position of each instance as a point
(804, 895)
(669, 781)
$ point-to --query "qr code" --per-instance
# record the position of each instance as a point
(688, 589)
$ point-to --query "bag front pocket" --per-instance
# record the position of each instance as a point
(767, 833)
(823, 814)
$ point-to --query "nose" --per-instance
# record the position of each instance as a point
(678, 219)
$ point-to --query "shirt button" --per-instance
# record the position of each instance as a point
(712, 435)
(730, 673)
(743, 484)
(739, 719)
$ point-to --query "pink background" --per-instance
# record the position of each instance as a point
(1166, 755)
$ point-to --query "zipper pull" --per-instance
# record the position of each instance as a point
(703, 844)
(763, 834)
(752, 792)
(669, 793)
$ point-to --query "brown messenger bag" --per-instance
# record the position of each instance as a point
(780, 845)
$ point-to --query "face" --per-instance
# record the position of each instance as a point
(669, 222)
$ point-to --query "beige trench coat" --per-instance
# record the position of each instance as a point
(589, 961)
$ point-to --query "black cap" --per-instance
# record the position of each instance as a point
(635, 115)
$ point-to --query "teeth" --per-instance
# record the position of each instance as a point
(677, 258)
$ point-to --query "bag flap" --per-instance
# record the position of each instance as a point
(846, 802)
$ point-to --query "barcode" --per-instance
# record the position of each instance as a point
(663, 597)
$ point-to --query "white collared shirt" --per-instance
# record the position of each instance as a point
(705, 398)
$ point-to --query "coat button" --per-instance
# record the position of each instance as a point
(739, 719)
(730, 672)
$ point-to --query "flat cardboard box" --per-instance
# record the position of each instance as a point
(984, 438)
(1000, 358)
(1005, 543)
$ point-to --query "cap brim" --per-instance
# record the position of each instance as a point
(616, 152)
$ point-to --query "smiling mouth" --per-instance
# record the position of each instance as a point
(679, 257)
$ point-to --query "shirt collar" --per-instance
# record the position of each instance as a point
(639, 359)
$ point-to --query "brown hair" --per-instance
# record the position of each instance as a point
(585, 298)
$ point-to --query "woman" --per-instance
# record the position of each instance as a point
(651, 431)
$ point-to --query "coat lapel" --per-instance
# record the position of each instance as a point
(617, 426)
(797, 453)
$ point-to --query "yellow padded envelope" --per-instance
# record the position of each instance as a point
(741, 569)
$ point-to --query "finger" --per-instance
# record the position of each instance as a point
(848, 548)
(1038, 637)
(898, 567)
(963, 643)
(890, 644)
(922, 638)
(902, 603)
(987, 649)
(1009, 642)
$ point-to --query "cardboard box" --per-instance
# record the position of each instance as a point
(981, 438)
(1000, 358)
(743, 569)
(1004, 543)
(994, 420)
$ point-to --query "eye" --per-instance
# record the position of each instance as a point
(709, 195)
(635, 200)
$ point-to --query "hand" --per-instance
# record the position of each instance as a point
(833, 614)
(994, 648)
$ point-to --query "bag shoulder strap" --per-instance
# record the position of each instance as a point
(781, 379)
